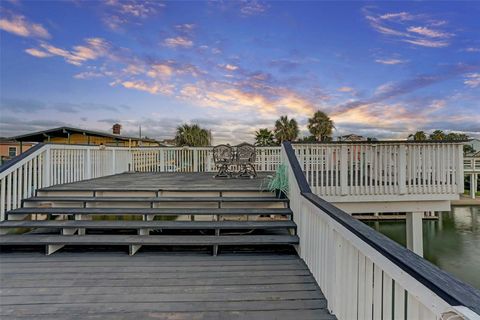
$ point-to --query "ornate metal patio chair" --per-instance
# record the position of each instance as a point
(245, 160)
(223, 158)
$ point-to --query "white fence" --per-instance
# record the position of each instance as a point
(382, 169)
(471, 164)
(353, 263)
(338, 170)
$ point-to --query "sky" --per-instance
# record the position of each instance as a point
(378, 69)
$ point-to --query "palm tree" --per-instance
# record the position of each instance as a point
(437, 135)
(264, 138)
(285, 129)
(192, 136)
(418, 136)
(320, 126)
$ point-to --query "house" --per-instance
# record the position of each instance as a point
(474, 143)
(69, 135)
(352, 137)
(10, 149)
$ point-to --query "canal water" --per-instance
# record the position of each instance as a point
(452, 242)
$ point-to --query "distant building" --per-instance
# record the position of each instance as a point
(69, 135)
(10, 149)
(352, 137)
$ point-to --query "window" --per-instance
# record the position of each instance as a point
(12, 152)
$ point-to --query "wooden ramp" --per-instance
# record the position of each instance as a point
(153, 285)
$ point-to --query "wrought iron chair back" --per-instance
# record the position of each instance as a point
(223, 157)
(245, 159)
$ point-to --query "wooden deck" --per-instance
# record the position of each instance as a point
(158, 285)
(167, 181)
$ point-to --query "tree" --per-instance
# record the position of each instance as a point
(308, 139)
(285, 129)
(452, 136)
(437, 135)
(192, 136)
(264, 138)
(418, 136)
(320, 126)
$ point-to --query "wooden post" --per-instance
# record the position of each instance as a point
(402, 169)
(88, 165)
(473, 185)
(46, 168)
(113, 162)
(344, 170)
(415, 232)
(460, 178)
(162, 159)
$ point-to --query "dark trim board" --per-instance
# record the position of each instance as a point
(152, 211)
(20, 157)
(155, 199)
(449, 288)
(85, 240)
(156, 224)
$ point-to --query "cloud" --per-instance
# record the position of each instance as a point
(185, 28)
(427, 43)
(21, 105)
(424, 31)
(20, 26)
(395, 89)
(405, 27)
(93, 48)
(178, 42)
(472, 80)
(399, 16)
(472, 49)
(391, 61)
(38, 53)
(230, 67)
(153, 88)
(160, 70)
(252, 7)
(123, 12)
(345, 89)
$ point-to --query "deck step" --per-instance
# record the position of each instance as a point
(123, 224)
(35, 239)
(152, 211)
(154, 199)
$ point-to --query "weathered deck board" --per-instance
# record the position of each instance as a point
(76, 285)
(166, 181)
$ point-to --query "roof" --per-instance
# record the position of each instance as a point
(39, 136)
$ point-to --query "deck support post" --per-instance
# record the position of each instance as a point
(133, 248)
(51, 248)
(415, 232)
(473, 185)
(215, 247)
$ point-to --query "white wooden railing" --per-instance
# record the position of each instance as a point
(395, 168)
(363, 274)
(471, 164)
(334, 170)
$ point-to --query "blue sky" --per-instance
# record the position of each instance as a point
(378, 69)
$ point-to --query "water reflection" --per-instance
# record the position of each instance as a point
(452, 242)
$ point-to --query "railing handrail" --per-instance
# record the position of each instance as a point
(382, 142)
(16, 160)
(447, 287)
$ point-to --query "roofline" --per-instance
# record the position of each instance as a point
(78, 130)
